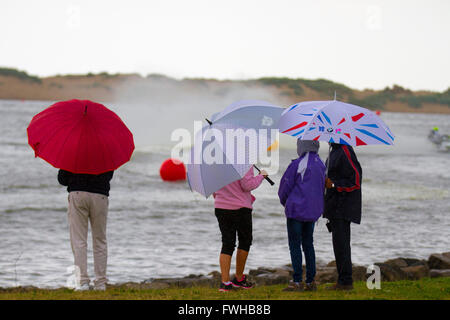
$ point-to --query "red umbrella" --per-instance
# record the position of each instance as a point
(80, 136)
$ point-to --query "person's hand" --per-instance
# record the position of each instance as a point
(263, 173)
(328, 183)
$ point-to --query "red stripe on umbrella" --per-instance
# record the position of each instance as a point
(357, 117)
(304, 123)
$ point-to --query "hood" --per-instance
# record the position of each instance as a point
(304, 146)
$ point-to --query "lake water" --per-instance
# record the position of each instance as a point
(158, 229)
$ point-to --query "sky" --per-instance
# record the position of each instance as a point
(361, 43)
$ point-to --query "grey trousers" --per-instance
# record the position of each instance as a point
(85, 207)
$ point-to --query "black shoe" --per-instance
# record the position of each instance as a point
(225, 287)
(242, 284)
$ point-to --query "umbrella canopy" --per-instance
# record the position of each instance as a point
(335, 122)
(215, 159)
(80, 136)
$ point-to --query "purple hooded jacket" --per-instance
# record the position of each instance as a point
(302, 187)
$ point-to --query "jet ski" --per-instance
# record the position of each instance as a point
(442, 141)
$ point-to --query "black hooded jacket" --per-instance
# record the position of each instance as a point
(344, 200)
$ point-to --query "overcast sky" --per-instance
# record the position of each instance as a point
(363, 44)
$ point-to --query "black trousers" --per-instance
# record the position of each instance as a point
(232, 222)
(340, 229)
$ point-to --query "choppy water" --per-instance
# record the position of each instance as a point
(158, 229)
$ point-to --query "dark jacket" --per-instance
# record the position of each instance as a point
(344, 200)
(86, 182)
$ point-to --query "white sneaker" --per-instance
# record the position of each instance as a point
(83, 287)
(101, 287)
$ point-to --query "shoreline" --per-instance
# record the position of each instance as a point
(130, 88)
(391, 270)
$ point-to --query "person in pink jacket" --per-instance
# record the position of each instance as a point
(233, 209)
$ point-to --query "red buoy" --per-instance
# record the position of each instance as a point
(378, 112)
(172, 170)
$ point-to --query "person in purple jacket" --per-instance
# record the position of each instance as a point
(301, 193)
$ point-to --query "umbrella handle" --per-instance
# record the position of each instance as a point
(267, 178)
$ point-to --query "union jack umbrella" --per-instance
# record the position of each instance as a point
(335, 122)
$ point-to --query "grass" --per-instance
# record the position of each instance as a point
(10, 72)
(424, 289)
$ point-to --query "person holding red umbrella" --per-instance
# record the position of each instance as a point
(87, 142)
(88, 202)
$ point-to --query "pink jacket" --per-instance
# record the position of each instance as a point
(237, 194)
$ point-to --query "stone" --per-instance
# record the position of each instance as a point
(416, 272)
(437, 273)
(415, 262)
(331, 263)
(398, 262)
(327, 275)
(391, 272)
(277, 276)
(359, 273)
(439, 261)
(261, 270)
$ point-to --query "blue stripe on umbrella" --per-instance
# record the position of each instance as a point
(326, 118)
(306, 114)
(390, 136)
(372, 125)
(293, 107)
(318, 117)
(296, 134)
(367, 133)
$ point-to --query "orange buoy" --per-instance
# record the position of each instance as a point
(172, 170)
(378, 112)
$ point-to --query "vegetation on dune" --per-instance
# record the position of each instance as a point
(288, 88)
(424, 289)
(22, 75)
(293, 84)
(374, 101)
(327, 87)
(437, 98)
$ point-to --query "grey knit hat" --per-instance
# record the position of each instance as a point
(304, 146)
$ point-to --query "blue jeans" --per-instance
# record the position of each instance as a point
(300, 235)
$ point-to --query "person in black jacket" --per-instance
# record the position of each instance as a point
(88, 202)
(343, 206)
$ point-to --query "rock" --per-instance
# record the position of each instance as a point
(391, 272)
(215, 275)
(332, 264)
(278, 276)
(260, 270)
(437, 273)
(359, 273)
(415, 262)
(327, 275)
(288, 268)
(439, 261)
(416, 272)
(398, 262)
